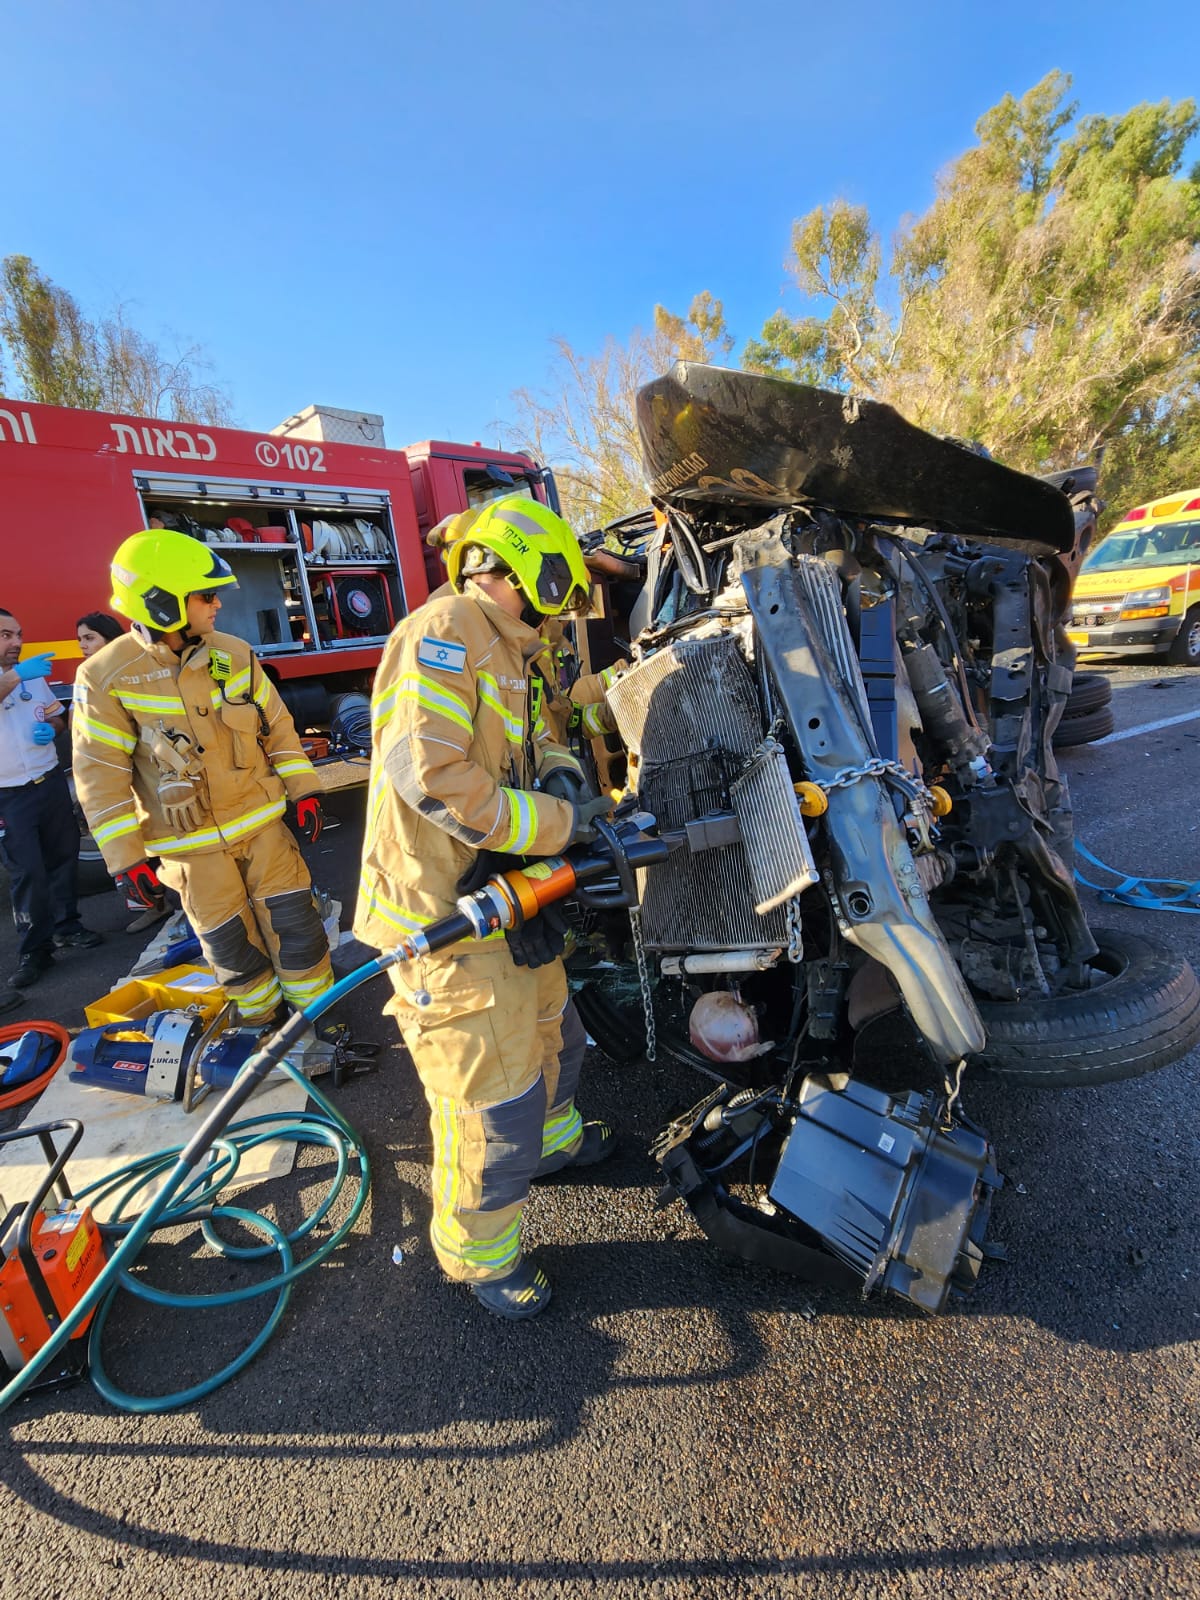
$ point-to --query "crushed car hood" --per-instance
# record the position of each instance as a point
(713, 435)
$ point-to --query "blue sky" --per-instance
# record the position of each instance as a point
(395, 207)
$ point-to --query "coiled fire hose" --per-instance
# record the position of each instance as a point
(196, 1172)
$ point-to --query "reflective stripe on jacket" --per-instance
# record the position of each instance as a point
(454, 756)
(251, 765)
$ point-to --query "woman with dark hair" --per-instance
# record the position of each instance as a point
(95, 631)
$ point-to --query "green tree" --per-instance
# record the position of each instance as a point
(51, 344)
(60, 357)
(585, 425)
(1048, 302)
(836, 259)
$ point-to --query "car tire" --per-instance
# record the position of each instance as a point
(1185, 652)
(1145, 1015)
(1089, 691)
(91, 875)
(1086, 729)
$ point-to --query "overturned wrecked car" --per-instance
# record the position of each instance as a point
(849, 661)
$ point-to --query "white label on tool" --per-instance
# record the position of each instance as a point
(887, 1143)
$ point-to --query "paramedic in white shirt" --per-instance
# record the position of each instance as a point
(40, 843)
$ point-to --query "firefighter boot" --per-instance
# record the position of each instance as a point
(598, 1143)
(524, 1293)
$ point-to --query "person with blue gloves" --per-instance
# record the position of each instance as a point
(40, 843)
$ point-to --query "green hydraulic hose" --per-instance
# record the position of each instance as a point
(194, 1175)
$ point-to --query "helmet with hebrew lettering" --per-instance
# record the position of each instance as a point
(526, 539)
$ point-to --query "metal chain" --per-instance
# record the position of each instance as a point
(876, 767)
(795, 944)
(639, 950)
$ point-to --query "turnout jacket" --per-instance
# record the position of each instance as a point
(244, 742)
(455, 751)
(566, 703)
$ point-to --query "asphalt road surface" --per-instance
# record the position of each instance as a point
(677, 1424)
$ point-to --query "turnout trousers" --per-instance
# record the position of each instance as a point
(40, 849)
(252, 908)
(498, 1049)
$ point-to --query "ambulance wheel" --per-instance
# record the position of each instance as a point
(1185, 652)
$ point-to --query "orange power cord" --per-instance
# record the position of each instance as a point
(28, 1091)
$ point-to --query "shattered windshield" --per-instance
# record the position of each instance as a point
(1177, 543)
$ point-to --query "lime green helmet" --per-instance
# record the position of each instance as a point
(534, 544)
(452, 528)
(154, 572)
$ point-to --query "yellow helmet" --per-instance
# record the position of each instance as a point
(534, 543)
(154, 572)
(451, 529)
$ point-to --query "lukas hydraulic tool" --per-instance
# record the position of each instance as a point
(175, 1055)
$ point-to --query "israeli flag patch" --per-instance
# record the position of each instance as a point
(444, 654)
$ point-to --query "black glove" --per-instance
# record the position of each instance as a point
(541, 940)
(141, 887)
(564, 784)
(584, 831)
(484, 866)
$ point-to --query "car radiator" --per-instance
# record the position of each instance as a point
(690, 715)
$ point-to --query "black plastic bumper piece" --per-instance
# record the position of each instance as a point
(893, 1192)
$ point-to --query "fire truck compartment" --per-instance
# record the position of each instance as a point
(317, 567)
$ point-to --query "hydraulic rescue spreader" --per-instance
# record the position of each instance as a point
(511, 899)
(601, 876)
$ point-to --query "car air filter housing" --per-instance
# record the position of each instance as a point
(898, 1196)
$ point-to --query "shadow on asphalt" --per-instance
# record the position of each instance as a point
(591, 1573)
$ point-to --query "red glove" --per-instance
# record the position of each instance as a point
(141, 887)
(310, 818)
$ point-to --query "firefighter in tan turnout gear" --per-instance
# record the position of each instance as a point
(184, 751)
(461, 768)
(567, 701)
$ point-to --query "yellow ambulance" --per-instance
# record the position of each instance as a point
(1138, 591)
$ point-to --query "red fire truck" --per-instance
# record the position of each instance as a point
(326, 538)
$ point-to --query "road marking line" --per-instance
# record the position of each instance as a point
(1147, 727)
